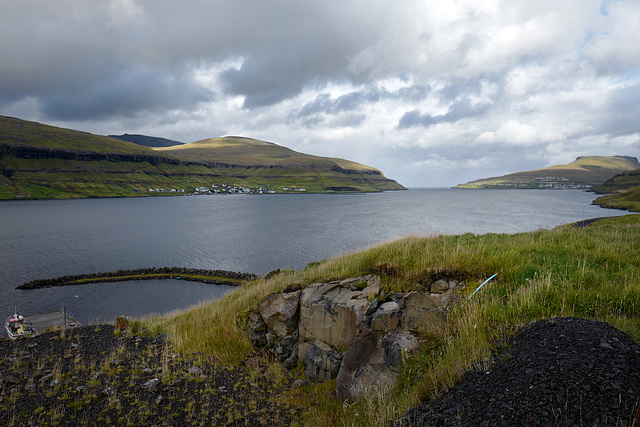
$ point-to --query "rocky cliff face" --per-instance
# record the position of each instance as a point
(347, 330)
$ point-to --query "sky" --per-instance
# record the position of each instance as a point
(431, 92)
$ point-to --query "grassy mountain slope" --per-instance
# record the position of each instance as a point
(624, 190)
(278, 166)
(41, 161)
(17, 133)
(252, 152)
(147, 141)
(589, 272)
(584, 172)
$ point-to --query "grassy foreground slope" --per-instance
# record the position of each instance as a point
(41, 161)
(591, 272)
(584, 172)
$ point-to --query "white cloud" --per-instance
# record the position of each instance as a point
(410, 87)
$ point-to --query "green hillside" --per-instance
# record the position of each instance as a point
(584, 172)
(41, 161)
(252, 152)
(624, 191)
(589, 272)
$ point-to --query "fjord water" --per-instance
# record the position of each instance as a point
(255, 234)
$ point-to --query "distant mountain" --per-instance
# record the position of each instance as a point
(41, 161)
(244, 151)
(147, 141)
(283, 167)
(584, 172)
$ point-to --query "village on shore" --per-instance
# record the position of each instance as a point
(224, 189)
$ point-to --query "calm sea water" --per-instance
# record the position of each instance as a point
(256, 234)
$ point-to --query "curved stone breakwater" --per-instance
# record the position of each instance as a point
(216, 277)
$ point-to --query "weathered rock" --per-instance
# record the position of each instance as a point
(331, 313)
(257, 329)
(152, 384)
(397, 345)
(385, 317)
(280, 313)
(322, 362)
(285, 347)
(342, 329)
(420, 311)
(439, 286)
(195, 370)
(362, 367)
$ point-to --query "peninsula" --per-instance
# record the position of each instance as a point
(38, 161)
(584, 173)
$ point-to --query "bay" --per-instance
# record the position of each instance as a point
(256, 234)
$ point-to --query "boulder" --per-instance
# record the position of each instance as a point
(280, 313)
(420, 311)
(397, 345)
(345, 330)
(440, 286)
(363, 367)
(321, 362)
(386, 316)
(257, 329)
(331, 313)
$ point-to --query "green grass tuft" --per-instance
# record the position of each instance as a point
(591, 272)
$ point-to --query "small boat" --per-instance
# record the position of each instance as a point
(17, 327)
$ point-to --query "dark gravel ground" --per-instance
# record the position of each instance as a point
(556, 372)
(90, 376)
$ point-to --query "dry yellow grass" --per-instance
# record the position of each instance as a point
(592, 273)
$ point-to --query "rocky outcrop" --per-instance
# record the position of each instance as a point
(348, 330)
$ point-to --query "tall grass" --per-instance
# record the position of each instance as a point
(591, 272)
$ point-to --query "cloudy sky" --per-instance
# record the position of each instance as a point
(432, 92)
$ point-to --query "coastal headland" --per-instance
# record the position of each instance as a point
(38, 161)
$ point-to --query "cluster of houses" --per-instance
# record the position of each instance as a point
(162, 190)
(552, 182)
(234, 189)
(223, 189)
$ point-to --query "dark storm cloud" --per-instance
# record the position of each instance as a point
(125, 93)
(285, 47)
(265, 80)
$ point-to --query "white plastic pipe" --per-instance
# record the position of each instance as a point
(484, 283)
